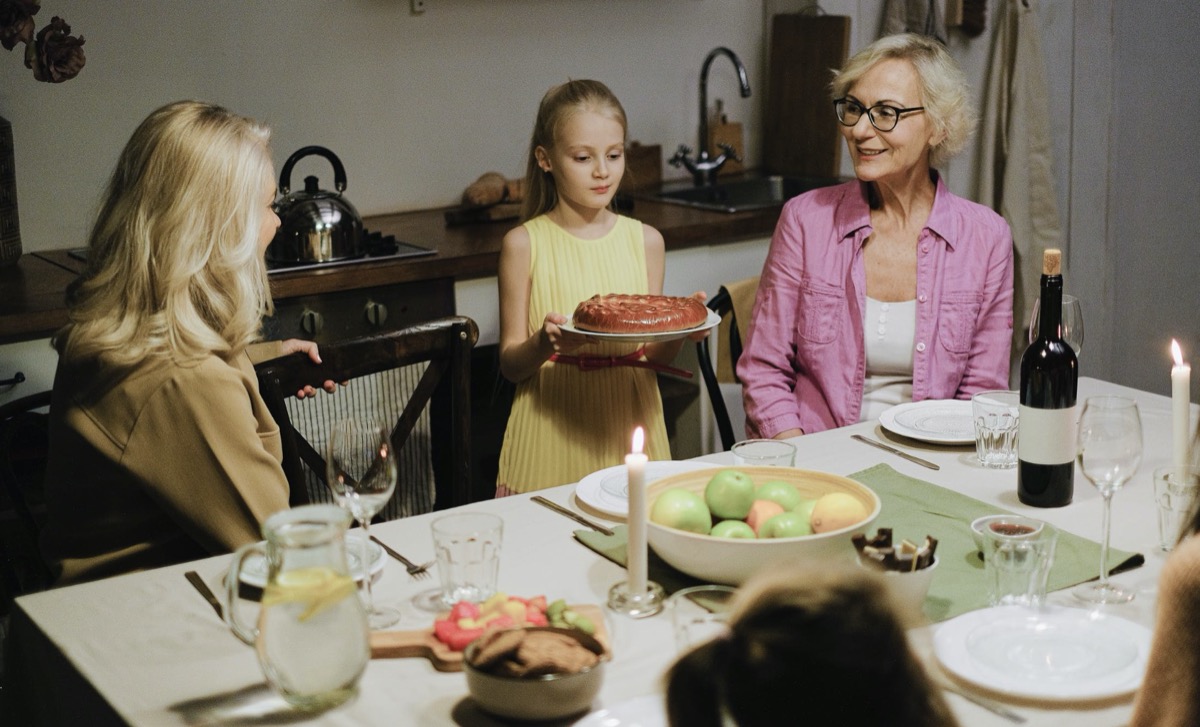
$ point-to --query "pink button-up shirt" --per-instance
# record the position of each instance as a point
(804, 361)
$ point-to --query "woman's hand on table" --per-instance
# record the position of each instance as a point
(789, 433)
(297, 345)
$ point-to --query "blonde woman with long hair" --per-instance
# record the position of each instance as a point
(161, 448)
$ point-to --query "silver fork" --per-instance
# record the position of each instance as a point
(414, 570)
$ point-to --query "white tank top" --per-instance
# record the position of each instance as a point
(888, 333)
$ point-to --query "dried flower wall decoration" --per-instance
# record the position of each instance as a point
(53, 54)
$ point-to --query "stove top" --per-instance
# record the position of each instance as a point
(376, 245)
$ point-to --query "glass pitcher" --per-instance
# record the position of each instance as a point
(312, 635)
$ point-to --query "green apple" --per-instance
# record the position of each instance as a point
(683, 510)
(805, 508)
(729, 494)
(785, 493)
(786, 525)
(732, 529)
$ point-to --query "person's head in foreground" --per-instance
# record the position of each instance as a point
(806, 646)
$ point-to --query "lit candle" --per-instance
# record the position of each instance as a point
(635, 550)
(1181, 400)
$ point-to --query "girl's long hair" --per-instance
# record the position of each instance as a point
(830, 635)
(556, 107)
(174, 268)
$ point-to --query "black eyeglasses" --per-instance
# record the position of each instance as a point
(882, 116)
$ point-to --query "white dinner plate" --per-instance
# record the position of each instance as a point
(1057, 654)
(942, 421)
(647, 711)
(254, 568)
(712, 320)
(607, 491)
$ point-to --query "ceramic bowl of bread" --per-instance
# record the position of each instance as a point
(535, 673)
(723, 524)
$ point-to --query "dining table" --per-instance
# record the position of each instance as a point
(146, 649)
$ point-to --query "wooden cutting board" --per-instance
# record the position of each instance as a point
(800, 135)
(403, 644)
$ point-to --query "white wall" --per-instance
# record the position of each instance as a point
(416, 107)
(1154, 198)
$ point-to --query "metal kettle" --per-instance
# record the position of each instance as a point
(316, 225)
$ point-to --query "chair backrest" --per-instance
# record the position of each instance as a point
(24, 437)
(443, 391)
(722, 305)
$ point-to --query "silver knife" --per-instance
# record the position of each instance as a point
(198, 582)
(567, 513)
(893, 450)
(987, 704)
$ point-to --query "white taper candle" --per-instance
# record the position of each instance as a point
(1181, 400)
(636, 549)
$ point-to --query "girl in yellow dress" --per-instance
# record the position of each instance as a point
(568, 419)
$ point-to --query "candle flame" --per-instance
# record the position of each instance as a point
(1176, 352)
(638, 438)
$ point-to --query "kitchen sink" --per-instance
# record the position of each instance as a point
(748, 193)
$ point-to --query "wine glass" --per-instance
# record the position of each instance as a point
(361, 469)
(1072, 322)
(1109, 452)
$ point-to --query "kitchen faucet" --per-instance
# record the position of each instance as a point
(704, 169)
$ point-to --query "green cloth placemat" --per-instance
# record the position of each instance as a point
(914, 508)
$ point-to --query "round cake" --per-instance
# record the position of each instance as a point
(623, 313)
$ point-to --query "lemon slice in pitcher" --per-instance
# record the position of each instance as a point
(315, 588)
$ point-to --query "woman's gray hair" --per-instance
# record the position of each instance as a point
(944, 90)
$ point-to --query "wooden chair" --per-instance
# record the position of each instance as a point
(24, 437)
(443, 391)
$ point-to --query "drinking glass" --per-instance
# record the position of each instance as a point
(361, 468)
(1072, 322)
(1109, 452)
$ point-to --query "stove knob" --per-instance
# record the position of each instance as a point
(311, 322)
(376, 313)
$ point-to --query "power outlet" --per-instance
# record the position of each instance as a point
(418, 7)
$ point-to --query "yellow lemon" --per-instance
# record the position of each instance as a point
(315, 588)
(836, 510)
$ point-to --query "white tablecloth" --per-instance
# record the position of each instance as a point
(154, 653)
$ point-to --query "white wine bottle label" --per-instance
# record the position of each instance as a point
(1046, 436)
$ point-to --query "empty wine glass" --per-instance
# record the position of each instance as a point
(1072, 322)
(361, 469)
(1109, 452)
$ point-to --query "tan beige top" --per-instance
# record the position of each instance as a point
(158, 464)
(1170, 693)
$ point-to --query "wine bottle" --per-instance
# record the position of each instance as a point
(1049, 383)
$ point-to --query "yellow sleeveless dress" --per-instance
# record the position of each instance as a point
(567, 423)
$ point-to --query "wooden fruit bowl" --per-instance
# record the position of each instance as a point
(731, 561)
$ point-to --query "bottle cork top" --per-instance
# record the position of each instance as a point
(1052, 262)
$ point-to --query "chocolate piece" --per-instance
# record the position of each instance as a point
(907, 556)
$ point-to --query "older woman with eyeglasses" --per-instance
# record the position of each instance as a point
(888, 288)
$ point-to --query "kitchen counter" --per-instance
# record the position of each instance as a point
(32, 292)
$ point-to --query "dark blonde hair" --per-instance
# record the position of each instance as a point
(830, 634)
(174, 268)
(558, 105)
(944, 91)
